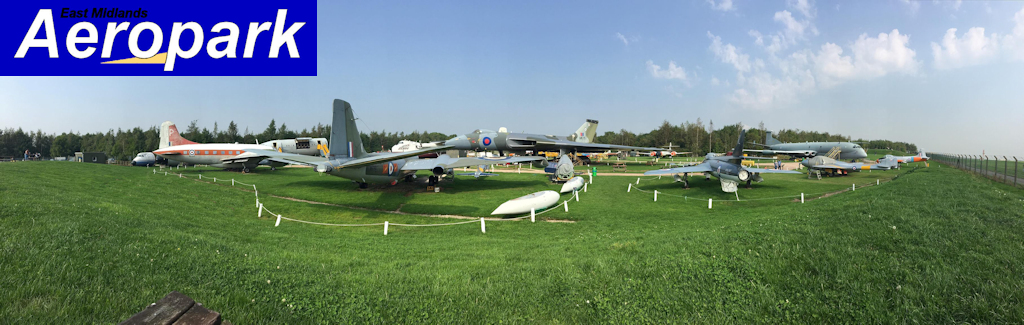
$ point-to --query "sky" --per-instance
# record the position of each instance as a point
(945, 75)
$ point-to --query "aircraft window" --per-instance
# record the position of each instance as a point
(856, 146)
(206, 153)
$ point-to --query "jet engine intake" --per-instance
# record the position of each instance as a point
(438, 170)
(743, 175)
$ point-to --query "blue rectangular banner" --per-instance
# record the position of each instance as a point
(145, 38)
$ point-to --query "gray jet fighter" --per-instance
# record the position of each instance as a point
(848, 150)
(832, 167)
(346, 158)
(726, 168)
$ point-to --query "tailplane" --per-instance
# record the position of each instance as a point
(169, 136)
(769, 139)
(587, 132)
(345, 140)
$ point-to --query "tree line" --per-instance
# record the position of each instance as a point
(122, 144)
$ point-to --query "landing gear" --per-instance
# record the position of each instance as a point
(748, 183)
(363, 185)
(245, 170)
(272, 168)
(408, 178)
(432, 180)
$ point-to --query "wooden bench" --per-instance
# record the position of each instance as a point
(619, 167)
(175, 308)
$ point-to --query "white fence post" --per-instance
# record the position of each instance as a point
(638, 181)
(877, 182)
(566, 205)
(709, 203)
(655, 195)
(200, 176)
(483, 228)
(278, 223)
(385, 228)
(854, 186)
(232, 182)
(260, 213)
(576, 195)
(584, 188)
(214, 179)
(630, 188)
(533, 215)
(801, 198)
(257, 202)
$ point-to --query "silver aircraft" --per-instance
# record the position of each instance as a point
(726, 168)
(344, 156)
(506, 142)
(848, 150)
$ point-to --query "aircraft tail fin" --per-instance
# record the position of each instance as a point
(738, 151)
(345, 140)
(169, 136)
(769, 139)
(587, 132)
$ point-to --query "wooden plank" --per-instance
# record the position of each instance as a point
(164, 312)
(199, 315)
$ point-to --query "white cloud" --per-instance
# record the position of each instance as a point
(722, 5)
(714, 81)
(803, 6)
(673, 71)
(794, 29)
(872, 57)
(626, 40)
(1015, 42)
(728, 53)
(972, 49)
(912, 5)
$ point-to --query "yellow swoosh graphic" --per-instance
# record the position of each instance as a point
(160, 58)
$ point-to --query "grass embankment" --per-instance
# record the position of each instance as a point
(84, 243)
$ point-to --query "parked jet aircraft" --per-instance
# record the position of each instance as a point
(849, 150)
(921, 156)
(346, 158)
(726, 168)
(831, 166)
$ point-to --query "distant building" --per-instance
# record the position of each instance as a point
(92, 157)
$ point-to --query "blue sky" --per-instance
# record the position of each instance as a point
(868, 69)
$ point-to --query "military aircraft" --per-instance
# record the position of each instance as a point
(303, 146)
(726, 168)
(921, 156)
(481, 171)
(345, 157)
(504, 141)
(848, 150)
(167, 128)
(833, 167)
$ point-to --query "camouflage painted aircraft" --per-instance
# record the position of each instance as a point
(849, 150)
(346, 158)
(726, 168)
(816, 165)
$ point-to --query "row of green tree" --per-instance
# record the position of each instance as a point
(125, 144)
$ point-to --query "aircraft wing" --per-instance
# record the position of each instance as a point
(778, 152)
(831, 166)
(679, 170)
(590, 147)
(771, 171)
(257, 155)
(389, 156)
(447, 162)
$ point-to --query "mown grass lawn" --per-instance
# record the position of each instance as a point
(84, 243)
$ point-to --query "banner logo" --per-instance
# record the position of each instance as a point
(160, 39)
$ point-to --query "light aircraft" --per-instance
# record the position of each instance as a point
(831, 166)
(726, 168)
(848, 150)
(346, 158)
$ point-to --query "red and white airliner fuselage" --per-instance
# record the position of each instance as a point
(210, 154)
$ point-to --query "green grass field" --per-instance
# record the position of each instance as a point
(85, 243)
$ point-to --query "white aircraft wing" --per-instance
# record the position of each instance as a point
(704, 167)
(771, 171)
(389, 156)
(446, 162)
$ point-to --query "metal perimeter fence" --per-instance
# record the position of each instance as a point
(1005, 170)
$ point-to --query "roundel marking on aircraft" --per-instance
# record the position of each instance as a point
(487, 141)
(391, 168)
(191, 152)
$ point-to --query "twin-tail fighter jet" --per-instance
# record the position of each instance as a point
(847, 150)
(726, 168)
(344, 156)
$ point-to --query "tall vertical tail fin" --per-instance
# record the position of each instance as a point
(169, 136)
(769, 139)
(587, 132)
(345, 140)
(738, 151)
